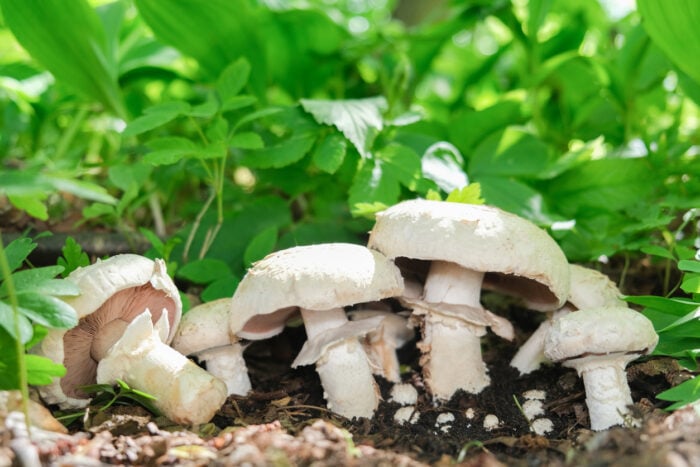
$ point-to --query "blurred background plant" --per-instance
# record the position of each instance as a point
(223, 134)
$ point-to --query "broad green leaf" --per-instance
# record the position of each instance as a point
(46, 310)
(516, 197)
(7, 322)
(329, 153)
(206, 109)
(204, 271)
(96, 210)
(281, 154)
(238, 102)
(77, 55)
(169, 150)
(691, 284)
(129, 173)
(609, 184)
(673, 26)
(442, 163)
(246, 140)
(511, 152)
(372, 184)
(23, 183)
(689, 265)
(656, 250)
(258, 114)
(232, 80)
(683, 394)
(215, 33)
(33, 205)
(216, 150)
(18, 250)
(402, 163)
(360, 120)
(222, 287)
(468, 129)
(673, 306)
(82, 189)
(260, 246)
(27, 279)
(154, 117)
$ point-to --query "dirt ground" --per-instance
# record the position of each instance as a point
(283, 421)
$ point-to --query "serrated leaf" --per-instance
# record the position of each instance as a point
(246, 140)
(368, 210)
(433, 195)
(360, 120)
(260, 246)
(470, 194)
(402, 163)
(73, 257)
(329, 153)
(125, 175)
(204, 271)
(47, 311)
(282, 154)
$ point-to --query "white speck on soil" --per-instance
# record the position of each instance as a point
(404, 394)
(491, 422)
(542, 426)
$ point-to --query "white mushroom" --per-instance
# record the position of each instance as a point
(381, 343)
(121, 298)
(205, 333)
(465, 242)
(320, 280)
(599, 343)
(589, 289)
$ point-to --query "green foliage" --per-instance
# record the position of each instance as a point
(73, 257)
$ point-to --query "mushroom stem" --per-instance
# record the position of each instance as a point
(185, 393)
(451, 346)
(226, 362)
(344, 369)
(607, 392)
(530, 355)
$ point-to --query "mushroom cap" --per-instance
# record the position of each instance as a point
(119, 288)
(515, 252)
(599, 331)
(592, 289)
(204, 327)
(315, 277)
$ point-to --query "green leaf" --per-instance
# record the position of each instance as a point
(46, 310)
(215, 33)
(98, 210)
(282, 154)
(368, 210)
(7, 322)
(260, 246)
(246, 140)
(132, 173)
(18, 250)
(689, 265)
(516, 197)
(470, 194)
(73, 257)
(442, 163)
(467, 130)
(329, 153)
(31, 204)
(673, 26)
(691, 283)
(222, 287)
(206, 109)
(511, 152)
(402, 163)
(169, 150)
(155, 117)
(360, 120)
(82, 189)
(77, 55)
(42, 370)
(238, 102)
(36, 278)
(232, 80)
(372, 184)
(683, 394)
(656, 250)
(204, 271)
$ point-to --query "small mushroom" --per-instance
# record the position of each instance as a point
(121, 299)
(381, 343)
(204, 333)
(318, 281)
(463, 244)
(589, 289)
(599, 343)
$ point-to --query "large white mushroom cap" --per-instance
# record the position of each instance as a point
(514, 252)
(121, 287)
(315, 277)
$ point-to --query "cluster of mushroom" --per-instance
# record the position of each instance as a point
(432, 257)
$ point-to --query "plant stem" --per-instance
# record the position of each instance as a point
(19, 345)
(69, 135)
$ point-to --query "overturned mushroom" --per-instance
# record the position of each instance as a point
(121, 299)
(204, 333)
(589, 289)
(320, 280)
(464, 242)
(599, 343)
(381, 343)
